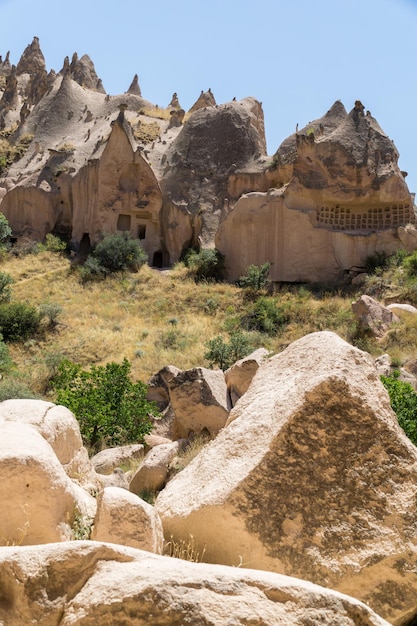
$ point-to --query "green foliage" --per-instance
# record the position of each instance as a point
(53, 244)
(92, 271)
(18, 320)
(410, 264)
(225, 354)
(118, 251)
(111, 410)
(50, 312)
(5, 230)
(256, 277)
(378, 260)
(5, 289)
(266, 316)
(208, 264)
(403, 400)
(13, 388)
(5, 358)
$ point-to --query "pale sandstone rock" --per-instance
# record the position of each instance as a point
(152, 473)
(151, 440)
(384, 367)
(401, 309)
(89, 583)
(118, 478)
(60, 429)
(373, 316)
(42, 501)
(199, 400)
(312, 476)
(107, 460)
(239, 376)
(124, 518)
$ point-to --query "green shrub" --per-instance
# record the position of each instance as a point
(403, 400)
(18, 320)
(118, 251)
(54, 243)
(225, 354)
(92, 270)
(378, 260)
(410, 264)
(50, 312)
(13, 388)
(256, 277)
(5, 230)
(111, 409)
(208, 264)
(5, 289)
(266, 316)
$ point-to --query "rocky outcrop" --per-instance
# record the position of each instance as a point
(134, 86)
(89, 583)
(152, 474)
(107, 460)
(311, 477)
(32, 60)
(205, 99)
(82, 70)
(372, 316)
(336, 186)
(239, 376)
(125, 519)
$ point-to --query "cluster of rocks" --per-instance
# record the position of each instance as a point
(307, 477)
(199, 179)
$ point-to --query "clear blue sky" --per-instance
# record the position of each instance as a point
(296, 56)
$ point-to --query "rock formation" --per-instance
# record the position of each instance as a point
(311, 477)
(330, 196)
(89, 582)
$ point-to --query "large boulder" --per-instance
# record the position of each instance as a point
(88, 583)
(239, 376)
(124, 518)
(312, 477)
(199, 400)
(41, 503)
(372, 316)
(109, 459)
(152, 473)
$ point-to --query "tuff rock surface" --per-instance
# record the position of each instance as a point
(311, 477)
(330, 196)
(87, 583)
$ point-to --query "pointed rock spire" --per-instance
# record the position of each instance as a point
(205, 99)
(32, 60)
(175, 103)
(134, 88)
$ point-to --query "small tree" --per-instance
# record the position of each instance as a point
(110, 408)
(208, 264)
(18, 320)
(118, 251)
(256, 277)
(5, 230)
(225, 354)
(5, 287)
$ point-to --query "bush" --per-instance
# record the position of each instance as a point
(5, 230)
(403, 400)
(378, 260)
(208, 264)
(119, 252)
(92, 270)
(53, 244)
(12, 388)
(111, 410)
(266, 316)
(18, 320)
(5, 289)
(256, 277)
(225, 354)
(51, 312)
(410, 264)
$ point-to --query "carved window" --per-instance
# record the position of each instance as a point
(123, 222)
(142, 231)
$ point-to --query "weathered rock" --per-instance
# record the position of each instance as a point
(199, 400)
(402, 310)
(372, 316)
(205, 99)
(152, 473)
(124, 518)
(83, 72)
(42, 501)
(118, 478)
(86, 583)
(107, 460)
(316, 224)
(239, 376)
(134, 86)
(158, 386)
(312, 477)
(32, 60)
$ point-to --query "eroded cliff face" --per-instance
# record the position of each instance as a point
(330, 196)
(336, 196)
